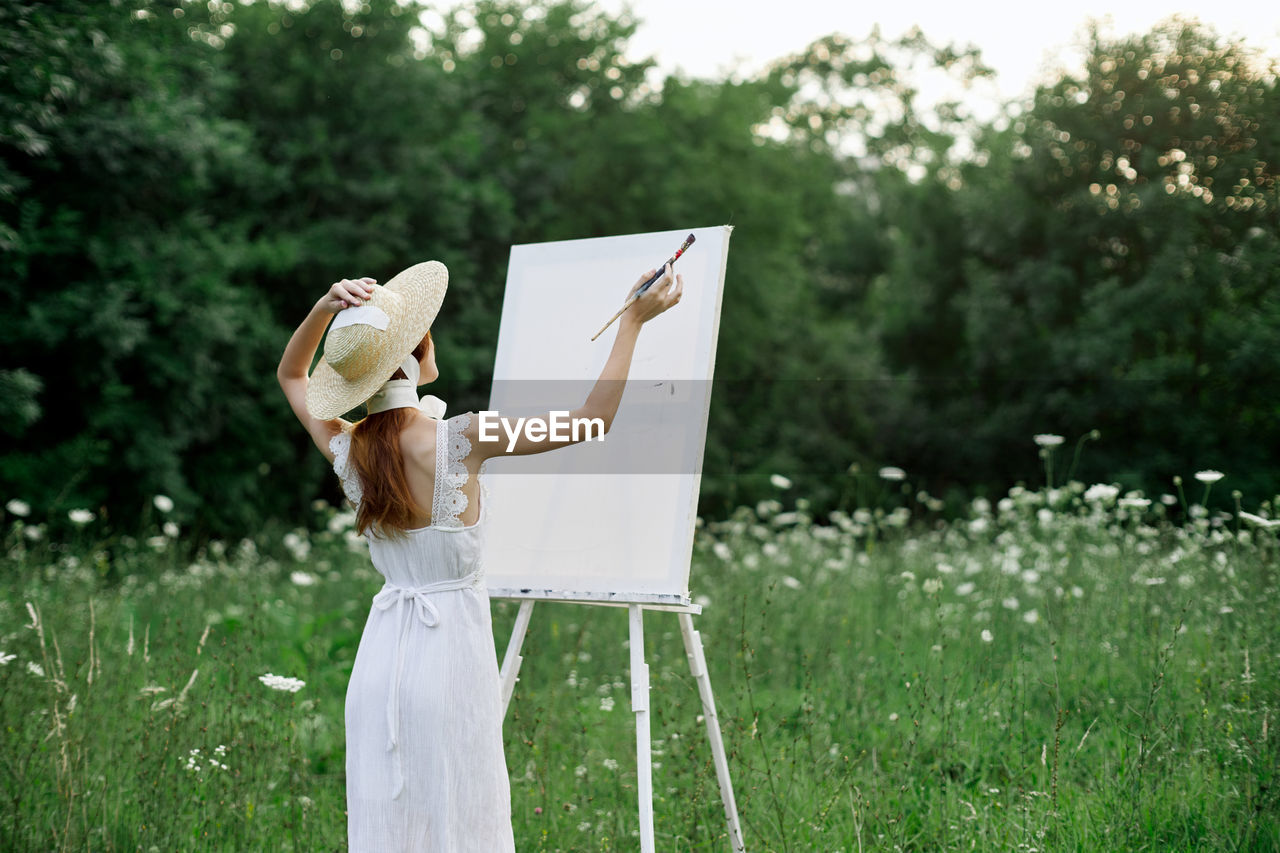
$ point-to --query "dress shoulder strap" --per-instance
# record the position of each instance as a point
(452, 448)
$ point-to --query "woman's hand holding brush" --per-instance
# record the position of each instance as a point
(658, 297)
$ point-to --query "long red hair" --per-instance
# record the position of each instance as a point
(375, 451)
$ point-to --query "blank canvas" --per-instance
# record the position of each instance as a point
(611, 520)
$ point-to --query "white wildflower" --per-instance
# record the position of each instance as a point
(340, 521)
(790, 582)
(931, 585)
(986, 636)
(609, 764)
(1046, 439)
(1168, 500)
(1259, 521)
(281, 682)
(1031, 617)
(722, 551)
(1044, 516)
(580, 771)
(1101, 493)
(34, 532)
(164, 503)
(779, 481)
(5, 658)
(80, 516)
(892, 473)
(893, 718)
(35, 668)
(606, 703)
(170, 529)
(302, 578)
(764, 509)
(1010, 603)
(965, 588)
(1209, 477)
(19, 508)
(297, 545)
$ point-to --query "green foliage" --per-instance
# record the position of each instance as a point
(179, 181)
(1106, 262)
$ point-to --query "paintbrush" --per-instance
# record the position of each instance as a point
(688, 241)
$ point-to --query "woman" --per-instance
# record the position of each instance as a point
(425, 767)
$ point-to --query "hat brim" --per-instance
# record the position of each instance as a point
(422, 288)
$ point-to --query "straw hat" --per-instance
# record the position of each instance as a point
(366, 344)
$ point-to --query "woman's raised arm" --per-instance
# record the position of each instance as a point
(301, 349)
(606, 395)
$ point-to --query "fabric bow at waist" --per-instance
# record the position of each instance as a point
(419, 599)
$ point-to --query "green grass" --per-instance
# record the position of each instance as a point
(861, 705)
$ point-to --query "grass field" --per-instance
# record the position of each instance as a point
(1059, 670)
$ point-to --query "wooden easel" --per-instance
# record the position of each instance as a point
(685, 611)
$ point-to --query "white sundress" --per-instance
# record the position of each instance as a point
(425, 765)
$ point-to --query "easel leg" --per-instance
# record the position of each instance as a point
(640, 704)
(511, 660)
(698, 665)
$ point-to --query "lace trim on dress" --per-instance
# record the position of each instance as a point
(340, 445)
(452, 448)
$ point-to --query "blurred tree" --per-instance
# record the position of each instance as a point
(132, 361)
(180, 179)
(1108, 264)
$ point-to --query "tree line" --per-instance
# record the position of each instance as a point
(907, 285)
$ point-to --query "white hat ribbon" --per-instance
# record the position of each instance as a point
(403, 393)
(368, 315)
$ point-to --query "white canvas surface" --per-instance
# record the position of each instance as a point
(611, 520)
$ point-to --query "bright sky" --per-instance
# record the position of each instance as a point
(711, 38)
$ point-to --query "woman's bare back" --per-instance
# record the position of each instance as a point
(418, 448)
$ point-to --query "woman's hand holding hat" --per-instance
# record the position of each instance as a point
(348, 293)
